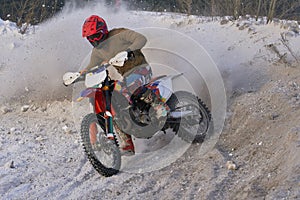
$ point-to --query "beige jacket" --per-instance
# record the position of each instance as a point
(118, 40)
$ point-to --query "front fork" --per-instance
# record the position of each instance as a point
(107, 89)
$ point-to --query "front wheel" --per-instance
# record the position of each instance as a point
(103, 153)
(195, 119)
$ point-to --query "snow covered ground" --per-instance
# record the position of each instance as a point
(258, 62)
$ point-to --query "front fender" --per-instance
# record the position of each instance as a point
(88, 93)
(98, 99)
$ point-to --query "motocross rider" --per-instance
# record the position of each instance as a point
(121, 48)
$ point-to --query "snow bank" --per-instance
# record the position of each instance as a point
(7, 27)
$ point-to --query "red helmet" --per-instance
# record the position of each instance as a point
(94, 29)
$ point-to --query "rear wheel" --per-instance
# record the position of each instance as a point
(103, 153)
(195, 117)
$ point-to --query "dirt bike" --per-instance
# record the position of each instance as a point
(149, 109)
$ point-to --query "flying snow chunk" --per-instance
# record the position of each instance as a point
(11, 46)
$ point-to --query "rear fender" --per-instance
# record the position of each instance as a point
(165, 86)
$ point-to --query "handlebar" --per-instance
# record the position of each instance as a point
(70, 78)
(97, 68)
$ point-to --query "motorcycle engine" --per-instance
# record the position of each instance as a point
(147, 108)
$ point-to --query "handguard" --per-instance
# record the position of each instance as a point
(70, 77)
(119, 59)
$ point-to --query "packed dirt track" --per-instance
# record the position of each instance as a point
(256, 156)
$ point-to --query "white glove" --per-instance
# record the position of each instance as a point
(119, 59)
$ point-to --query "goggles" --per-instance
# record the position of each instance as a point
(95, 37)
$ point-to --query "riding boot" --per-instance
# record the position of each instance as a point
(126, 146)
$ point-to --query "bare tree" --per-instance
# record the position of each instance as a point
(290, 9)
(213, 8)
(271, 11)
(258, 9)
(185, 6)
(21, 12)
(237, 8)
(54, 7)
